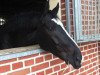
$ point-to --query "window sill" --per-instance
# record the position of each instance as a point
(19, 52)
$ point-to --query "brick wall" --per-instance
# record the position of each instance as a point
(63, 12)
(90, 63)
(99, 54)
(47, 64)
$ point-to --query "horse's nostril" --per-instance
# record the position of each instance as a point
(78, 65)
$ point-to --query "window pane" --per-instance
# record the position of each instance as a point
(84, 19)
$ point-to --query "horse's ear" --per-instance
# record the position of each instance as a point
(55, 10)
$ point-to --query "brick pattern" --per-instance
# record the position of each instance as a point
(72, 23)
(63, 12)
(46, 63)
(99, 54)
(89, 17)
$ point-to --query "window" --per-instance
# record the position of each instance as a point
(24, 51)
(83, 19)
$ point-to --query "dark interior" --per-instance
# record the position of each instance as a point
(9, 7)
(19, 21)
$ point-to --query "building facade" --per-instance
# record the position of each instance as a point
(81, 19)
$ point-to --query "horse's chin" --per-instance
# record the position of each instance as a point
(69, 59)
(75, 64)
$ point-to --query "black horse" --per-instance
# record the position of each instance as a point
(28, 27)
(21, 20)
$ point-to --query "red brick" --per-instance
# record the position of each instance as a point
(81, 69)
(84, 73)
(71, 5)
(66, 70)
(81, 48)
(4, 68)
(64, 22)
(94, 73)
(94, 64)
(90, 56)
(8, 61)
(96, 49)
(85, 47)
(83, 53)
(94, 59)
(90, 66)
(17, 65)
(54, 74)
(40, 66)
(82, 2)
(72, 73)
(94, 45)
(89, 46)
(89, 51)
(54, 62)
(21, 72)
(95, 54)
(99, 69)
(86, 58)
(86, 67)
(63, 5)
(86, 63)
(90, 70)
(92, 50)
(71, 11)
(99, 48)
(49, 71)
(39, 59)
(29, 62)
(63, 12)
(56, 68)
(70, 0)
(63, 18)
(62, 1)
(99, 43)
(48, 57)
(61, 72)
(40, 73)
(99, 53)
(76, 72)
(63, 66)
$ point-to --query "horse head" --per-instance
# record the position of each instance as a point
(54, 38)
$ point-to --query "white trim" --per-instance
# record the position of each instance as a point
(19, 52)
(16, 55)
